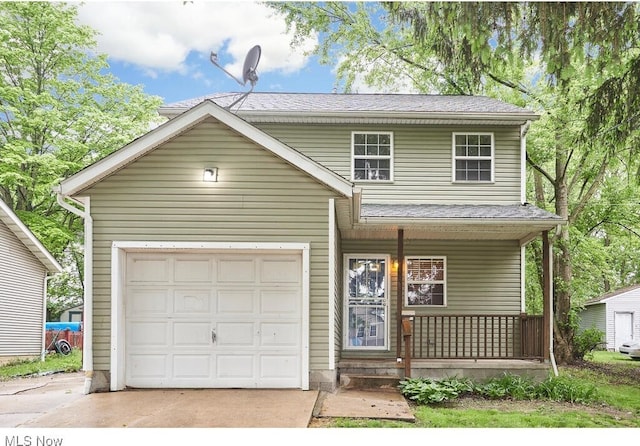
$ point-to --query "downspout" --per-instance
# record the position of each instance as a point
(47, 277)
(87, 320)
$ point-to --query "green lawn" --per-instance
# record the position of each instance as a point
(617, 404)
(53, 363)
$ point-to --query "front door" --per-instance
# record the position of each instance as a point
(366, 302)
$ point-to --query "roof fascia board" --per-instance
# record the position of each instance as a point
(174, 127)
(135, 149)
(28, 239)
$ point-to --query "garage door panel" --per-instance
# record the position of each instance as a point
(235, 366)
(192, 366)
(146, 334)
(141, 302)
(192, 334)
(193, 270)
(193, 301)
(279, 366)
(144, 366)
(280, 271)
(236, 270)
(235, 334)
(231, 301)
(148, 270)
(279, 334)
(280, 302)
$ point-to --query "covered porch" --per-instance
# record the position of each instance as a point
(449, 339)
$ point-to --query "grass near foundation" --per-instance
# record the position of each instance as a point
(53, 363)
(615, 403)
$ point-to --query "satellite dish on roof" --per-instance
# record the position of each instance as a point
(251, 64)
(248, 70)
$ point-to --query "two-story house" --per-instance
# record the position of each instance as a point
(293, 238)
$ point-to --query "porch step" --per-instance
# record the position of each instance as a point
(369, 382)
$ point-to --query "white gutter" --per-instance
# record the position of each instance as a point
(87, 320)
(332, 282)
(524, 129)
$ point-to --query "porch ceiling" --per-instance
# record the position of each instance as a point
(444, 222)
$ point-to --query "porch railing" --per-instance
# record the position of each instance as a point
(488, 336)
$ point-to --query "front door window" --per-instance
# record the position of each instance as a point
(366, 302)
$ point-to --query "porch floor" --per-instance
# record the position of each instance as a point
(475, 369)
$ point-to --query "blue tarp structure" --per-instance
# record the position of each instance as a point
(72, 326)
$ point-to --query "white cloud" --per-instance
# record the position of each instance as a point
(159, 35)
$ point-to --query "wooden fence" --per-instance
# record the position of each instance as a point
(74, 338)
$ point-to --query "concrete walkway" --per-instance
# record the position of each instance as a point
(58, 401)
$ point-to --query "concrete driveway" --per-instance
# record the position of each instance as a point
(58, 401)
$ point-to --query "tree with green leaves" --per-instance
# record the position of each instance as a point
(577, 64)
(59, 112)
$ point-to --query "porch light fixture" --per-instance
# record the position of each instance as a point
(210, 174)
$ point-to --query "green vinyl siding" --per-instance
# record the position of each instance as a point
(258, 198)
(422, 160)
(483, 277)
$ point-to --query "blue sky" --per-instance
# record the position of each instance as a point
(165, 47)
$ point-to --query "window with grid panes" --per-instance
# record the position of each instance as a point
(473, 157)
(372, 156)
(426, 281)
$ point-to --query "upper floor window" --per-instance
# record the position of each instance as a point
(473, 157)
(372, 154)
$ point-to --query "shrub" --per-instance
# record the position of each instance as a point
(558, 388)
(585, 342)
(508, 386)
(428, 391)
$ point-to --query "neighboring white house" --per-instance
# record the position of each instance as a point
(617, 314)
(25, 265)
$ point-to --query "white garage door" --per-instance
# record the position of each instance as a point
(213, 320)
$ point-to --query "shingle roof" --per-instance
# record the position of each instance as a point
(342, 103)
(28, 239)
(526, 212)
(611, 294)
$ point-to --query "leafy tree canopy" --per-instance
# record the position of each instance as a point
(59, 111)
(575, 63)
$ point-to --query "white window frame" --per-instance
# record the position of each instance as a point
(387, 298)
(442, 282)
(455, 157)
(372, 157)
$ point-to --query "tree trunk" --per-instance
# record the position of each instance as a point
(563, 331)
